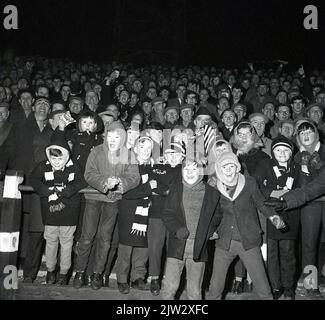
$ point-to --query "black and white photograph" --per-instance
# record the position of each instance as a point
(162, 154)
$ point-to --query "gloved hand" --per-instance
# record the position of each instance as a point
(182, 233)
(277, 222)
(214, 236)
(315, 161)
(305, 158)
(277, 204)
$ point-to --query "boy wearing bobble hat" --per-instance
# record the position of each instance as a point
(275, 177)
(239, 230)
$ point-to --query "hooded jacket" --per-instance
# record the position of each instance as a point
(308, 173)
(58, 186)
(103, 164)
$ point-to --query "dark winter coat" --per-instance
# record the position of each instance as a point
(131, 200)
(82, 144)
(246, 200)
(266, 176)
(308, 192)
(174, 219)
(165, 176)
(43, 178)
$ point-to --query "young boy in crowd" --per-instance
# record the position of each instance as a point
(133, 222)
(239, 230)
(110, 171)
(190, 207)
(166, 174)
(310, 159)
(85, 137)
(275, 177)
(57, 181)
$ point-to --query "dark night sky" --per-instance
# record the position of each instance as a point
(210, 32)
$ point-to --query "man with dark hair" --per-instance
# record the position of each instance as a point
(298, 107)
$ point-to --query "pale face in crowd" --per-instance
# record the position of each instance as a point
(41, 110)
(297, 106)
(146, 107)
(307, 137)
(283, 113)
(173, 158)
(201, 120)
(287, 130)
(87, 125)
(229, 118)
(269, 110)
(240, 112)
(191, 173)
(171, 116)
(75, 106)
(114, 140)
(26, 100)
(187, 114)
(143, 149)
(54, 122)
(316, 114)
(229, 172)
(132, 136)
(57, 162)
(258, 123)
(282, 154)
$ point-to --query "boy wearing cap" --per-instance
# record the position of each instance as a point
(133, 222)
(166, 174)
(110, 171)
(239, 231)
(190, 210)
(275, 177)
(57, 180)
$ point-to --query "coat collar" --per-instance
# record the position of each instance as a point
(240, 186)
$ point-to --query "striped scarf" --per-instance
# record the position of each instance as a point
(140, 223)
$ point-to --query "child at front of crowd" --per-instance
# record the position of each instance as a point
(110, 170)
(133, 222)
(275, 177)
(82, 137)
(239, 230)
(310, 159)
(190, 209)
(57, 180)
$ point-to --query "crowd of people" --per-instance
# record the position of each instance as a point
(178, 161)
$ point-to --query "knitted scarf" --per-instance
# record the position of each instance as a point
(140, 222)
